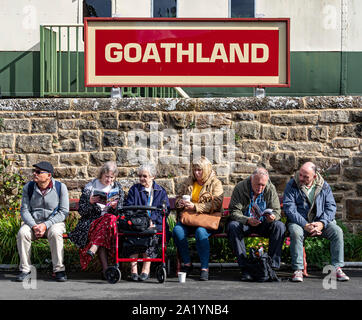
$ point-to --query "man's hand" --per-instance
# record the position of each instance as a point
(39, 230)
(270, 217)
(314, 228)
(253, 222)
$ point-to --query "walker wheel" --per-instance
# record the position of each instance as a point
(113, 274)
(161, 274)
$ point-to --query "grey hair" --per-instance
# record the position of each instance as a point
(149, 167)
(260, 171)
(109, 166)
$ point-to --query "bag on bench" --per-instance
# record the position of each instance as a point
(259, 267)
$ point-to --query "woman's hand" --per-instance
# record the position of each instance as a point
(94, 199)
(188, 205)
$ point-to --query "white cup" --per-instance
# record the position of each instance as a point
(181, 277)
(186, 197)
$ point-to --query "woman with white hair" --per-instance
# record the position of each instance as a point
(148, 193)
(94, 231)
(207, 195)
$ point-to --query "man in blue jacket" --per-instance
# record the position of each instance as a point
(310, 208)
(44, 207)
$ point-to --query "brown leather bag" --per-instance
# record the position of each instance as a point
(208, 221)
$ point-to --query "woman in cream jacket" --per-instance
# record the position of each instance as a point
(207, 195)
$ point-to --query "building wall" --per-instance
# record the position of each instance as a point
(78, 135)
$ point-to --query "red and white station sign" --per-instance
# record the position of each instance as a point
(187, 52)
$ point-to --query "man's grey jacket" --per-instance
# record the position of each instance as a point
(39, 209)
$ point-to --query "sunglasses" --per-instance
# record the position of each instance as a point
(37, 171)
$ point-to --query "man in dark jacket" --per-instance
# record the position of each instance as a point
(250, 195)
(44, 207)
(310, 208)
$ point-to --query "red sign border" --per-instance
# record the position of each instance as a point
(284, 20)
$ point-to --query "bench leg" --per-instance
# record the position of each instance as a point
(305, 272)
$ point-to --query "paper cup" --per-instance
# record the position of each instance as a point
(182, 277)
(186, 197)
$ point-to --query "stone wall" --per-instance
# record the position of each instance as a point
(78, 135)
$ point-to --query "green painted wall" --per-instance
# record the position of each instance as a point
(312, 73)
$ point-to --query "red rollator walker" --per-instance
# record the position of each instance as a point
(131, 231)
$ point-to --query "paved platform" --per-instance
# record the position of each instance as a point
(223, 285)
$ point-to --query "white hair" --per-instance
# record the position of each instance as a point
(149, 167)
(260, 171)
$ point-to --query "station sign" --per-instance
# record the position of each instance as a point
(187, 52)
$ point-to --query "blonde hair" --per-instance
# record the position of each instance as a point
(204, 164)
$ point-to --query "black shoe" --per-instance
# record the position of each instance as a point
(22, 276)
(204, 276)
(143, 276)
(245, 276)
(134, 277)
(60, 276)
(91, 253)
(188, 269)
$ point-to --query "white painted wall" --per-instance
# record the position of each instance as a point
(20, 20)
(202, 8)
(133, 8)
(315, 24)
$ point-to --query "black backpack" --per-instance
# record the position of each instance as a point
(134, 221)
(259, 267)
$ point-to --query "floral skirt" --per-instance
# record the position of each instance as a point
(101, 233)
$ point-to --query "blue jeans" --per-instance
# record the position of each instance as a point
(333, 233)
(180, 233)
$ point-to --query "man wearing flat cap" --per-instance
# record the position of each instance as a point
(44, 207)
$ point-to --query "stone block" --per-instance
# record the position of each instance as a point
(66, 124)
(16, 126)
(301, 146)
(113, 139)
(244, 116)
(334, 116)
(108, 123)
(90, 140)
(247, 130)
(99, 158)
(44, 126)
(35, 158)
(357, 161)
(345, 142)
(130, 125)
(34, 144)
(129, 116)
(179, 120)
(254, 146)
(274, 133)
(67, 134)
(318, 134)
(74, 159)
(359, 189)
(293, 119)
(65, 173)
(68, 146)
(283, 162)
(6, 141)
(354, 209)
(168, 185)
(353, 174)
(297, 134)
(86, 124)
(68, 115)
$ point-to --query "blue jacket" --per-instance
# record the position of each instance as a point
(296, 204)
(137, 196)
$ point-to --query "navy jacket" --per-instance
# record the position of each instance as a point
(138, 196)
(296, 205)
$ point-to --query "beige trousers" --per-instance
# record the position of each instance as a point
(55, 237)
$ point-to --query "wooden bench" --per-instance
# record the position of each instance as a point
(74, 206)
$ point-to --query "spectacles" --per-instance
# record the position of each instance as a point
(142, 176)
(39, 172)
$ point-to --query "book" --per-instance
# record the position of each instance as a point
(106, 198)
(257, 213)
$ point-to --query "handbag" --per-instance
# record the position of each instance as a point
(260, 267)
(208, 221)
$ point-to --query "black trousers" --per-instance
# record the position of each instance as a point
(273, 230)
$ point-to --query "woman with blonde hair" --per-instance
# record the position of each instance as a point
(206, 193)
